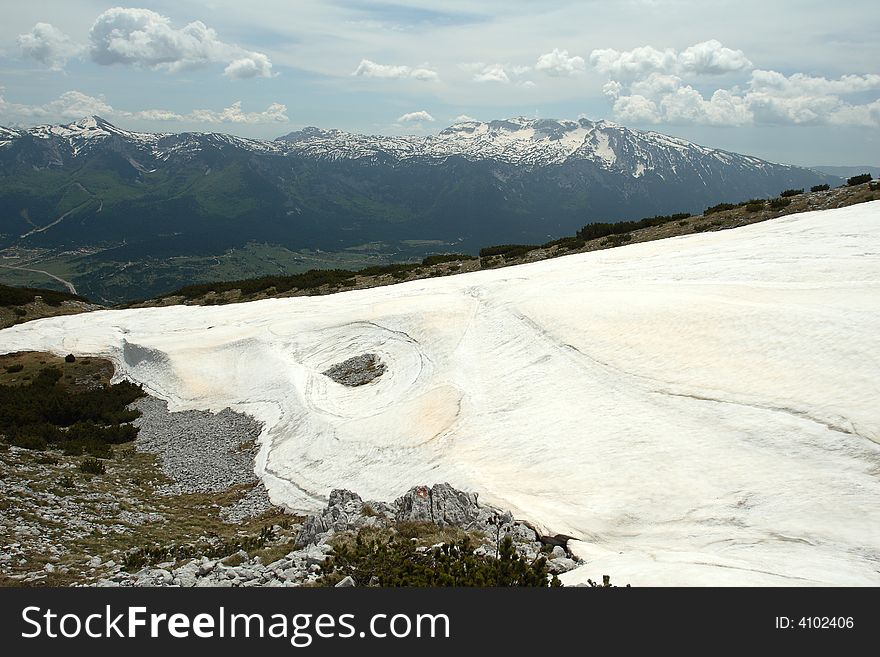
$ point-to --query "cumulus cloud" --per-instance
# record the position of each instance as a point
(252, 65)
(806, 85)
(635, 63)
(69, 105)
(370, 69)
(769, 98)
(73, 105)
(48, 45)
(144, 38)
(662, 86)
(560, 63)
(712, 58)
(275, 113)
(463, 118)
(415, 117)
(491, 73)
(706, 58)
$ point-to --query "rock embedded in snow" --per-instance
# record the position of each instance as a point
(356, 371)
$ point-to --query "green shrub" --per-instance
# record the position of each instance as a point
(820, 188)
(438, 259)
(45, 413)
(70, 358)
(617, 240)
(712, 225)
(29, 441)
(596, 230)
(19, 311)
(92, 466)
(506, 250)
(12, 369)
(860, 179)
(17, 296)
(755, 207)
(396, 561)
(791, 192)
(779, 203)
(721, 207)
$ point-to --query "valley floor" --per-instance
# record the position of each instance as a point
(699, 410)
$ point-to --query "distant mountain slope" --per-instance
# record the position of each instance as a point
(847, 172)
(91, 183)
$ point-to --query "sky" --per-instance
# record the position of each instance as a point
(794, 81)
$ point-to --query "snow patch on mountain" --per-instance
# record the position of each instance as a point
(519, 141)
(697, 410)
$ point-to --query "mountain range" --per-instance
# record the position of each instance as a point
(474, 183)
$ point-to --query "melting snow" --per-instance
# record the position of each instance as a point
(699, 410)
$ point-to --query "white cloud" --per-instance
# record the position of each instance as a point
(69, 105)
(252, 65)
(370, 69)
(636, 63)
(491, 73)
(144, 38)
(463, 118)
(415, 117)
(559, 63)
(712, 58)
(706, 58)
(799, 85)
(770, 98)
(275, 113)
(73, 105)
(48, 45)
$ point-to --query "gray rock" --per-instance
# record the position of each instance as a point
(441, 504)
(206, 567)
(346, 582)
(356, 371)
(561, 565)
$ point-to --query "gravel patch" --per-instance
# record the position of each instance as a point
(357, 371)
(204, 452)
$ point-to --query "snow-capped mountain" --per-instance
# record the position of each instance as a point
(471, 185)
(525, 142)
(519, 141)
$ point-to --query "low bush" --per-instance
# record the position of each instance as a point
(12, 369)
(506, 251)
(439, 259)
(92, 466)
(47, 412)
(820, 188)
(616, 240)
(859, 180)
(721, 207)
(396, 561)
(18, 296)
(791, 192)
(596, 230)
(779, 203)
(755, 207)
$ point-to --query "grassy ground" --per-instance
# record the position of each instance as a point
(53, 513)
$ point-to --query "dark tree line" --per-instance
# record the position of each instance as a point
(45, 413)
